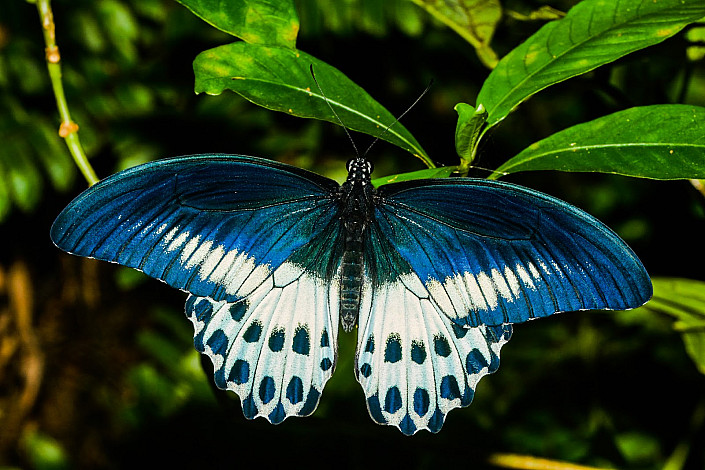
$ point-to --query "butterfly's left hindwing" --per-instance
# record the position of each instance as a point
(212, 225)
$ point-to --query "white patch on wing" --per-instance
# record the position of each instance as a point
(440, 296)
(189, 248)
(199, 255)
(412, 282)
(488, 290)
(557, 269)
(477, 299)
(223, 269)
(464, 296)
(502, 286)
(544, 268)
(534, 272)
(161, 228)
(457, 293)
(178, 241)
(512, 282)
(286, 274)
(524, 276)
(255, 278)
(211, 261)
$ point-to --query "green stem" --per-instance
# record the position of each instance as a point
(68, 129)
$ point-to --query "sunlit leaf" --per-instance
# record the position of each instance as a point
(468, 129)
(442, 172)
(593, 33)
(658, 142)
(253, 21)
(474, 20)
(280, 79)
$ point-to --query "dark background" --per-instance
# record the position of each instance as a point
(97, 368)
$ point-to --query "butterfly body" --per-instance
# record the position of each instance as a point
(356, 199)
(275, 259)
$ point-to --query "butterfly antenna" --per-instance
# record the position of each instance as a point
(396, 120)
(357, 152)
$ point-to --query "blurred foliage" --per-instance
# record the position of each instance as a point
(97, 368)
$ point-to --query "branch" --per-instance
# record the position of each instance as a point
(68, 129)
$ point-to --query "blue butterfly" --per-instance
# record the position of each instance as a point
(432, 272)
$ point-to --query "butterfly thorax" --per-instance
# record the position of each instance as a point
(356, 202)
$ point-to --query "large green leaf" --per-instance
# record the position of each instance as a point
(280, 79)
(684, 300)
(253, 21)
(659, 142)
(593, 33)
(474, 20)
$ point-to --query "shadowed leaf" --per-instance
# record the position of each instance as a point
(474, 20)
(684, 300)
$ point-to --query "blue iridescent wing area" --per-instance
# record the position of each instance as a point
(213, 225)
(490, 253)
(414, 363)
(255, 243)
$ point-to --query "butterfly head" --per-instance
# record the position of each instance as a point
(359, 171)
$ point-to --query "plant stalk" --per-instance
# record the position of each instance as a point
(68, 129)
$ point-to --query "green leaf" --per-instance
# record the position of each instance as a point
(43, 451)
(658, 142)
(280, 79)
(684, 300)
(442, 172)
(474, 20)
(253, 21)
(468, 130)
(593, 33)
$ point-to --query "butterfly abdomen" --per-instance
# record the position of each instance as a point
(351, 270)
(356, 201)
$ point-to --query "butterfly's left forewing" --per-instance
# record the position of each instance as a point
(254, 243)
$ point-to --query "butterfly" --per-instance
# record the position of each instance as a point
(433, 273)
